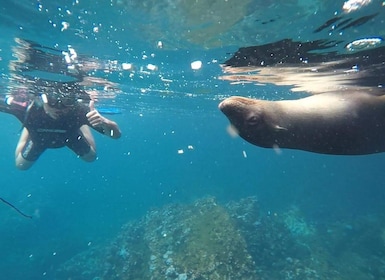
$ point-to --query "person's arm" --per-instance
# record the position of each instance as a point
(5, 104)
(102, 124)
(14, 107)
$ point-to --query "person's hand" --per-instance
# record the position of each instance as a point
(52, 112)
(109, 127)
(93, 116)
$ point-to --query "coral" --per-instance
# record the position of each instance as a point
(214, 248)
(297, 224)
(198, 241)
(206, 240)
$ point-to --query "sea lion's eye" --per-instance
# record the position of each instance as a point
(253, 120)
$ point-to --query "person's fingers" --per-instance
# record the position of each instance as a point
(91, 113)
(94, 117)
(92, 105)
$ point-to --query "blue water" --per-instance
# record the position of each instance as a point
(76, 205)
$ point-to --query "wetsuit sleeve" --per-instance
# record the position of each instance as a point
(18, 109)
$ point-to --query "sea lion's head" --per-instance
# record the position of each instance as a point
(242, 112)
(248, 118)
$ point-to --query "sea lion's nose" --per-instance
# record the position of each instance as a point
(228, 103)
(222, 106)
(232, 105)
(229, 108)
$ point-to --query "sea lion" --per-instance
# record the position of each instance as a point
(349, 123)
(345, 115)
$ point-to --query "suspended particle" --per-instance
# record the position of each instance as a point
(244, 154)
(152, 67)
(127, 66)
(196, 65)
(65, 25)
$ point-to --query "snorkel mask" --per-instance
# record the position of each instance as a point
(58, 101)
(60, 95)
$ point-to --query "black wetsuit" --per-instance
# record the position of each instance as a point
(46, 132)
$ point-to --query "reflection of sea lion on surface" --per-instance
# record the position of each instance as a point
(346, 117)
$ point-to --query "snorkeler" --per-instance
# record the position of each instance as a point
(56, 119)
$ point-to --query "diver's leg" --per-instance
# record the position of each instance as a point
(23, 147)
(84, 145)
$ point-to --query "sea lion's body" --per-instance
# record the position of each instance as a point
(349, 123)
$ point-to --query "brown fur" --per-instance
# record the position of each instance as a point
(330, 123)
